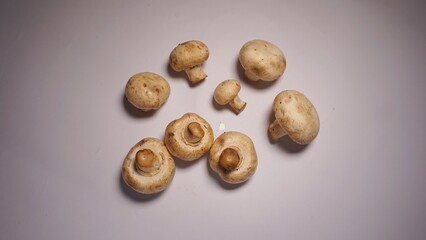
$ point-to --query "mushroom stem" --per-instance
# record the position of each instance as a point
(146, 162)
(276, 131)
(194, 132)
(229, 159)
(195, 74)
(237, 104)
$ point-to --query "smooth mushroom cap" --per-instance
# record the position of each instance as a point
(233, 157)
(148, 167)
(227, 92)
(296, 116)
(147, 91)
(189, 56)
(262, 60)
(189, 137)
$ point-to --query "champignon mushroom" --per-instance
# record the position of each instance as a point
(148, 167)
(227, 93)
(295, 116)
(189, 56)
(233, 157)
(147, 91)
(262, 60)
(189, 137)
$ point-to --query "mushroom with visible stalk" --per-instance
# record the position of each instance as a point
(227, 93)
(233, 157)
(147, 91)
(262, 60)
(188, 57)
(295, 116)
(148, 167)
(189, 137)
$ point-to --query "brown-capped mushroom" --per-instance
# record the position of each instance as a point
(189, 137)
(233, 157)
(148, 167)
(295, 116)
(227, 93)
(262, 60)
(189, 56)
(147, 91)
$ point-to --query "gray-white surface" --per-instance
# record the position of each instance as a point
(65, 126)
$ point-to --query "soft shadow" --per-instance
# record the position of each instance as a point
(181, 76)
(184, 164)
(255, 84)
(135, 196)
(285, 143)
(223, 184)
(135, 112)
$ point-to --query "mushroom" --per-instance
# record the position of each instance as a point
(233, 157)
(295, 116)
(147, 91)
(148, 167)
(227, 92)
(189, 56)
(262, 60)
(189, 137)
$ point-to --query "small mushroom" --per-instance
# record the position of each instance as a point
(148, 167)
(233, 157)
(227, 93)
(189, 137)
(295, 116)
(147, 91)
(262, 60)
(189, 56)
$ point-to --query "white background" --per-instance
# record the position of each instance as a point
(66, 125)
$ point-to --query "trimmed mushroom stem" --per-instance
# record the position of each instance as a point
(146, 162)
(237, 104)
(229, 159)
(195, 74)
(194, 132)
(275, 130)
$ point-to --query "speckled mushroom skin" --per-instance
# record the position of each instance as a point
(227, 93)
(297, 116)
(147, 91)
(149, 183)
(188, 57)
(180, 147)
(262, 60)
(246, 151)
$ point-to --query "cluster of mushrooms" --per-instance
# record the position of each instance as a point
(149, 166)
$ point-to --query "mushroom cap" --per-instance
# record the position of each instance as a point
(188, 55)
(297, 116)
(262, 60)
(147, 91)
(149, 183)
(244, 147)
(226, 91)
(182, 148)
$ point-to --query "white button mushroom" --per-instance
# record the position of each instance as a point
(147, 91)
(189, 137)
(227, 93)
(262, 60)
(295, 116)
(148, 167)
(189, 56)
(233, 157)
